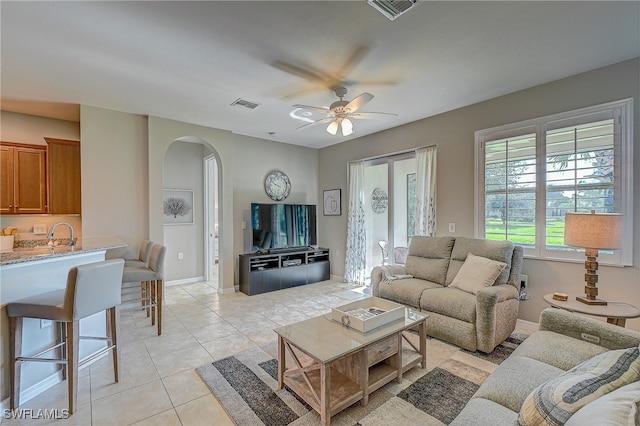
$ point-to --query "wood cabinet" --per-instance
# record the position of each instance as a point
(63, 176)
(22, 179)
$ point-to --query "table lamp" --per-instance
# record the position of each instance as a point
(592, 231)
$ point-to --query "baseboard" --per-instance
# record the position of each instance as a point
(336, 278)
(530, 325)
(184, 281)
(35, 390)
(46, 383)
(235, 289)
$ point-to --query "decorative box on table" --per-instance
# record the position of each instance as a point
(368, 314)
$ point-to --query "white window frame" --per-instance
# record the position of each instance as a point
(622, 112)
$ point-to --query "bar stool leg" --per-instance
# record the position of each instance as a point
(15, 351)
(112, 333)
(72, 343)
(154, 301)
(160, 295)
(62, 333)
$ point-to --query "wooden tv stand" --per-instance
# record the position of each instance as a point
(280, 269)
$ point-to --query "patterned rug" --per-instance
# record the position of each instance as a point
(244, 384)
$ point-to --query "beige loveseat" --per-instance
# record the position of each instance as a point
(535, 383)
(479, 321)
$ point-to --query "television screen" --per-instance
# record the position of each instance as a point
(283, 225)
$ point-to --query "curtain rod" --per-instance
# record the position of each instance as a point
(392, 154)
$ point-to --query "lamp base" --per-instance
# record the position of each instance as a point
(594, 301)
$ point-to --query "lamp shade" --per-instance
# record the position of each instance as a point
(593, 230)
(333, 127)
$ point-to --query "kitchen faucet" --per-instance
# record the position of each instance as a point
(53, 228)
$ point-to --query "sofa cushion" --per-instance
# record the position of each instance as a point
(450, 302)
(514, 379)
(428, 258)
(618, 408)
(555, 401)
(501, 251)
(406, 291)
(480, 411)
(557, 349)
(476, 273)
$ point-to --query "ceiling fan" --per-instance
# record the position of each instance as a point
(340, 112)
(328, 79)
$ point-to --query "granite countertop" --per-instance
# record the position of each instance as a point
(83, 245)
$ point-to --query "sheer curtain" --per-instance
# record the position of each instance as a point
(426, 191)
(356, 253)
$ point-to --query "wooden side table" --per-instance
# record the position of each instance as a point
(615, 312)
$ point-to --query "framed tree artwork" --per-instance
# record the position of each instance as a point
(178, 206)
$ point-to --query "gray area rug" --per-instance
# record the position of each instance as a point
(245, 386)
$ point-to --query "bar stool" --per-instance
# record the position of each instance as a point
(143, 255)
(91, 288)
(152, 281)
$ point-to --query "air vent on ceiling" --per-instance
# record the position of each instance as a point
(244, 104)
(392, 8)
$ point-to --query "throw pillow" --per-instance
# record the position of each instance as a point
(618, 408)
(553, 402)
(477, 273)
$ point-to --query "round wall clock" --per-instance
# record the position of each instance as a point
(277, 185)
(379, 200)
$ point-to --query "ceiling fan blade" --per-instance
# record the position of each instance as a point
(312, 108)
(358, 102)
(370, 115)
(316, 77)
(356, 57)
(303, 92)
(322, 120)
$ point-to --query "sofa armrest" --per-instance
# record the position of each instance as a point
(496, 315)
(489, 296)
(380, 272)
(589, 329)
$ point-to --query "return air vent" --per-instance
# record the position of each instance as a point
(241, 103)
(392, 8)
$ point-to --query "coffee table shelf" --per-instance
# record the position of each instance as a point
(344, 391)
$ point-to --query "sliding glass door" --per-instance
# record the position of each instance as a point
(390, 209)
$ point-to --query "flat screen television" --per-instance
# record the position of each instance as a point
(278, 226)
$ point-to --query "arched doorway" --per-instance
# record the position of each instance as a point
(191, 167)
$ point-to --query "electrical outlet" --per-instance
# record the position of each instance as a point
(39, 229)
(524, 280)
(244, 225)
(44, 323)
(180, 256)
(452, 227)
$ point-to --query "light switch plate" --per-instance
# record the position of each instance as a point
(39, 229)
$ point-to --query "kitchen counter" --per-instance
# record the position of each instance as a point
(43, 252)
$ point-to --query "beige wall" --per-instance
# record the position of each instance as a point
(183, 169)
(31, 129)
(453, 133)
(114, 176)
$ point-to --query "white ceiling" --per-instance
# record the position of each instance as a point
(189, 61)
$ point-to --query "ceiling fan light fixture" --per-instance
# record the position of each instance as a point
(347, 127)
(333, 127)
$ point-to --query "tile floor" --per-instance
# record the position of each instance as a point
(158, 384)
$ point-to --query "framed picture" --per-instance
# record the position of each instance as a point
(332, 202)
(178, 206)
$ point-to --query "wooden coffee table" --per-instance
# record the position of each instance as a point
(334, 366)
